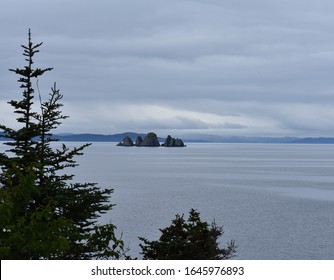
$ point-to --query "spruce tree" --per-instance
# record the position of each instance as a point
(43, 214)
(188, 240)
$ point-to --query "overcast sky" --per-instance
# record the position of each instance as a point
(225, 67)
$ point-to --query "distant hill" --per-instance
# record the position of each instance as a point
(97, 137)
(236, 139)
(89, 137)
(319, 140)
(100, 137)
(196, 138)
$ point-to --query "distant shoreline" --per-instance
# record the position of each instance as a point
(88, 137)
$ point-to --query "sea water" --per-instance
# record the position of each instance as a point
(275, 200)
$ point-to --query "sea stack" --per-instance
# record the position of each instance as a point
(127, 142)
(173, 142)
(150, 140)
(139, 141)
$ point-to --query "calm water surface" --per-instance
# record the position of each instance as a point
(276, 201)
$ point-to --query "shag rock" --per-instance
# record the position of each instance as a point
(127, 142)
(139, 141)
(173, 142)
(151, 140)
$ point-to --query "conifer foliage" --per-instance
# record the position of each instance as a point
(43, 214)
(188, 240)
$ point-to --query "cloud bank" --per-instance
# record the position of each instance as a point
(220, 67)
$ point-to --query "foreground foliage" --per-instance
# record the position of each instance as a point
(43, 215)
(188, 240)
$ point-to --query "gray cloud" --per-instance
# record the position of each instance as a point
(225, 67)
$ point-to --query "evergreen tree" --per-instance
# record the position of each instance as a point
(188, 240)
(43, 215)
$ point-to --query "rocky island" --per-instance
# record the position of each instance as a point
(151, 140)
(173, 142)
